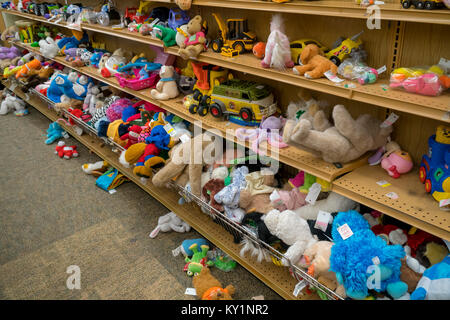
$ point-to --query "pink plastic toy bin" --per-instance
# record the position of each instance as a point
(136, 83)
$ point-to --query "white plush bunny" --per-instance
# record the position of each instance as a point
(169, 222)
(49, 48)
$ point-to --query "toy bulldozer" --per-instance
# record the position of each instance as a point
(234, 37)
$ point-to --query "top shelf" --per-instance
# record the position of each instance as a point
(437, 108)
(345, 8)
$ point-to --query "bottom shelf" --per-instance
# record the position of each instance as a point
(277, 278)
(403, 198)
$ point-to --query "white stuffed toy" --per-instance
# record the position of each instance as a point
(169, 222)
(49, 48)
(166, 88)
(333, 203)
(11, 103)
(292, 230)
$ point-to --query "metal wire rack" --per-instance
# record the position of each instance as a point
(238, 231)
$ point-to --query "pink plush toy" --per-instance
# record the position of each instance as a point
(427, 84)
(397, 163)
(278, 51)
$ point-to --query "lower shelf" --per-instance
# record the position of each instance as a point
(277, 278)
(413, 205)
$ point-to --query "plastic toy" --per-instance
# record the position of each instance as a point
(138, 74)
(344, 48)
(281, 57)
(66, 152)
(428, 5)
(353, 69)
(427, 84)
(197, 261)
(26, 30)
(395, 161)
(234, 35)
(297, 47)
(177, 18)
(434, 170)
(138, 15)
(259, 50)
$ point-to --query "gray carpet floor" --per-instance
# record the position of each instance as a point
(53, 216)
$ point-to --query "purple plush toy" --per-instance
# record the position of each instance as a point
(9, 53)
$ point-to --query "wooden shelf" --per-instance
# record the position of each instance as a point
(377, 94)
(291, 156)
(277, 278)
(345, 8)
(413, 206)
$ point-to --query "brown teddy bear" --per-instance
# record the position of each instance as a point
(346, 141)
(209, 288)
(195, 42)
(314, 64)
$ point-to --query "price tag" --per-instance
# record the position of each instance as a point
(444, 203)
(27, 97)
(345, 231)
(381, 70)
(184, 138)
(333, 77)
(383, 183)
(190, 291)
(444, 63)
(392, 195)
(376, 260)
(299, 287)
(176, 251)
(112, 191)
(170, 130)
(389, 121)
(322, 221)
(313, 193)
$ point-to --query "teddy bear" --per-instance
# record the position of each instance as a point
(10, 103)
(208, 287)
(346, 141)
(195, 42)
(314, 63)
(186, 162)
(166, 88)
(292, 230)
(65, 151)
(362, 260)
(169, 222)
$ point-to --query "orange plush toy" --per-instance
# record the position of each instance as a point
(33, 64)
(209, 288)
(314, 64)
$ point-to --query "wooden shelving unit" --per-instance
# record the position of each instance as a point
(378, 94)
(277, 278)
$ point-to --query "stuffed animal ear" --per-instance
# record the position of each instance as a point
(305, 55)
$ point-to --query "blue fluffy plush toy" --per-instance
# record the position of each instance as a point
(364, 259)
(54, 132)
(435, 282)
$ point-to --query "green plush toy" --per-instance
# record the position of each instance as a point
(167, 35)
(197, 261)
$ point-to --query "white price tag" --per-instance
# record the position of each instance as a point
(333, 77)
(112, 191)
(313, 193)
(299, 287)
(65, 135)
(27, 97)
(170, 130)
(444, 63)
(389, 121)
(444, 203)
(322, 221)
(376, 260)
(392, 195)
(184, 138)
(383, 183)
(190, 291)
(345, 231)
(381, 70)
(176, 251)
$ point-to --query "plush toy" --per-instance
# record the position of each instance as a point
(395, 161)
(166, 88)
(292, 230)
(317, 259)
(195, 42)
(346, 141)
(314, 63)
(181, 34)
(49, 48)
(54, 132)
(435, 283)
(25, 69)
(78, 38)
(360, 258)
(209, 288)
(278, 51)
(10, 103)
(169, 222)
(333, 203)
(131, 136)
(187, 158)
(9, 53)
(66, 152)
(184, 4)
(167, 35)
(256, 195)
(9, 32)
(96, 169)
(259, 50)
(198, 260)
